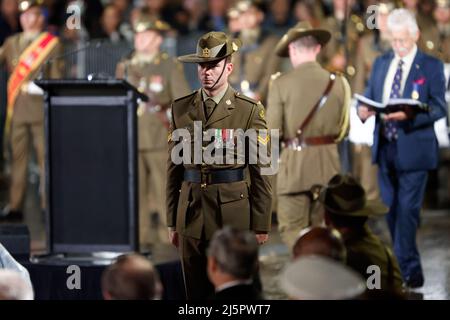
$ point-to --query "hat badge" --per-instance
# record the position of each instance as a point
(206, 52)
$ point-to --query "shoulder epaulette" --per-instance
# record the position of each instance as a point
(248, 99)
(185, 97)
(275, 76)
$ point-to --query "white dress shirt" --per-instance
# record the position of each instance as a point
(407, 63)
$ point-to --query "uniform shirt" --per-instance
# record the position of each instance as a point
(407, 63)
(217, 97)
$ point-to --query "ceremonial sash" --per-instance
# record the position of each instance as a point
(29, 61)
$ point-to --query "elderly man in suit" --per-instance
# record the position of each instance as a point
(405, 145)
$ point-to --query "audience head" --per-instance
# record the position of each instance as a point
(232, 255)
(111, 19)
(441, 12)
(320, 278)
(131, 277)
(320, 241)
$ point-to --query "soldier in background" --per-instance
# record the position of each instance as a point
(424, 21)
(371, 46)
(26, 55)
(162, 78)
(256, 61)
(436, 39)
(310, 107)
(234, 21)
(346, 28)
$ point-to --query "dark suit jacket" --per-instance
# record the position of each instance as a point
(417, 147)
(239, 292)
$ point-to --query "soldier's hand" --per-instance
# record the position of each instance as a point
(262, 238)
(365, 112)
(173, 237)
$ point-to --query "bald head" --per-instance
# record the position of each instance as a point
(320, 241)
(131, 277)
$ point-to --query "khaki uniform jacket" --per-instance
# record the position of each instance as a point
(433, 43)
(163, 80)
(365, 249)
(193, 209)
(256, 66)
(29, 108)
(291, 97)
(336, 44)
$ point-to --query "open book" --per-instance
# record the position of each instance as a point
(393, 105)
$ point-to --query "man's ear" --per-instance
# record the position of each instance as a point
(417, 36)
(212, 264)
(230, 67)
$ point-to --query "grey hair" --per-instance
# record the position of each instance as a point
(14, 287)
(402, 18)
(307, 42)
(235, 251)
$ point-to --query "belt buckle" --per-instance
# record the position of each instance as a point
(297, 144)
(204, 181)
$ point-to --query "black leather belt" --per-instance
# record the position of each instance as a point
(214, 177)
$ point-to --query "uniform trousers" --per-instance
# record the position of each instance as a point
(152, 192)
(21, 135)
(296, 212)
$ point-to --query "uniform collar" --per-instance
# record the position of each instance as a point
(145, 57)
(217, 97)
(234, 284)
(306, 65)
(223, 109)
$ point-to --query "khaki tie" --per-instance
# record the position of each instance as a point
(210, 104)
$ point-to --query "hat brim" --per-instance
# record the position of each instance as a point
(193, 58)
(372, 208)
(322, 36)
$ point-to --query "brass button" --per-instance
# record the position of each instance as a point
(242, 196)
(203, 185)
